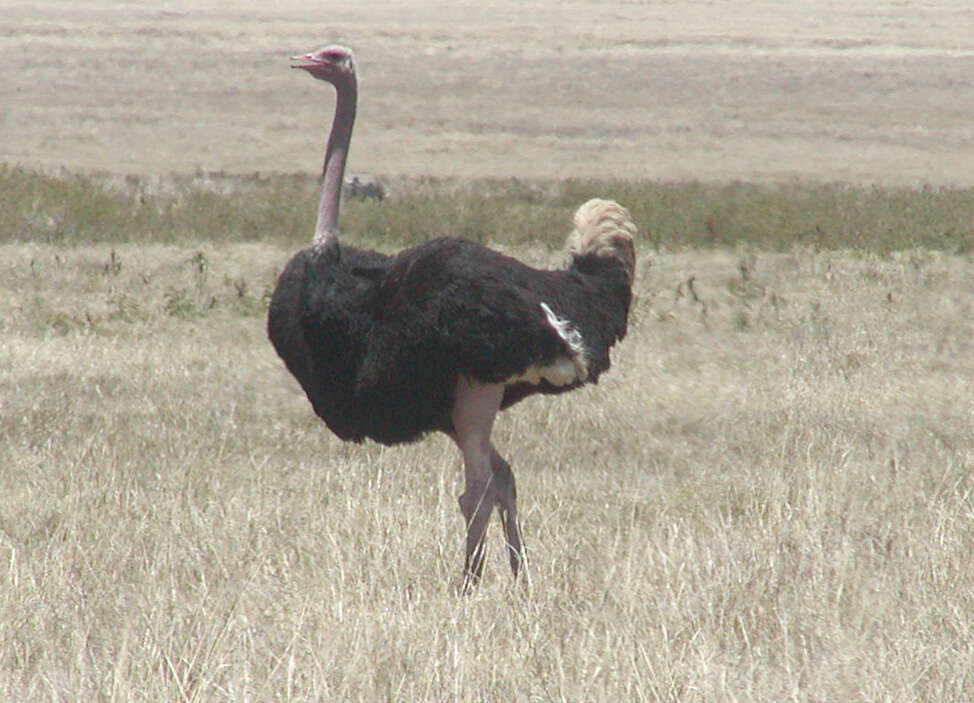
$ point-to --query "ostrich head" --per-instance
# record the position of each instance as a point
(333, 63)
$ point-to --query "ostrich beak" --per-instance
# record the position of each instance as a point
(305, 61)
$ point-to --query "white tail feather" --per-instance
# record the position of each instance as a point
(604, 228)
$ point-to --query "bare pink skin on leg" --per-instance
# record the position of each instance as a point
(488, 480)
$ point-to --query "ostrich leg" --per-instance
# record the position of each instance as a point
(474, 407)
(506, 498)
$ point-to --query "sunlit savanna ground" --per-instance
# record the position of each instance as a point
(769, 497)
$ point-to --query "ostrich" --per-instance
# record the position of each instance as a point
(444, 335)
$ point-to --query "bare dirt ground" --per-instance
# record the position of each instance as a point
(863, 91)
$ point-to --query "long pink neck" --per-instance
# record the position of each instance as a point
(326, 228)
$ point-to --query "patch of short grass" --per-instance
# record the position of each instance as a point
(77, 209)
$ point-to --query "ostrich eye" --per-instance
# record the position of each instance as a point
(335, 56)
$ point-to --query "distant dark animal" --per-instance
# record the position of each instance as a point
(364, 187)
(442, 336)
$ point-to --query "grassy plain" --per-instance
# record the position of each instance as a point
(858, 91)
(769, 498)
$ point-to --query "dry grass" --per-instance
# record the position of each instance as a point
(854, 91)
(769, 498)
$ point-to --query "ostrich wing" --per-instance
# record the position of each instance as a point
(452, 307)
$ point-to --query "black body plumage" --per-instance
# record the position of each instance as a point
(378, 342)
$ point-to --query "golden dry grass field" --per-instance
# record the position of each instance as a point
(855, 90)
(769, 498)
